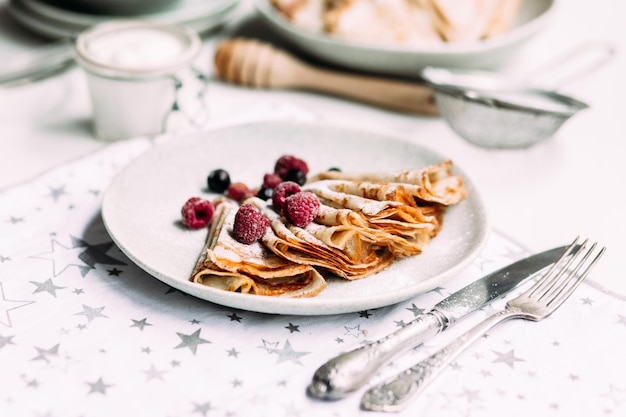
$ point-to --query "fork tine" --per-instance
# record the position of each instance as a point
(548, 279)
(568, 286)
(552, 288)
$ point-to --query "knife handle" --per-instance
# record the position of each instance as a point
(349, 371)
(396, 392)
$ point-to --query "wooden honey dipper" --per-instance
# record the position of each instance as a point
(257, 64)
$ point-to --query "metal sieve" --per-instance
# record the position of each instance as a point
(495, 111)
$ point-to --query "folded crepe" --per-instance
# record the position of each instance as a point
(364, 223)
(403, 211)
(230, 265)
(350, 256)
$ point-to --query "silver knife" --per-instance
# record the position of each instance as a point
(349, 371)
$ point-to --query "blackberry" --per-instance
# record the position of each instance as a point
(296, 175)
(265, 193)
(218, 180)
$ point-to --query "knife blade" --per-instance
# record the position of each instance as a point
(349, 371)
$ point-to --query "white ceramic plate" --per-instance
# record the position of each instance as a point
(141, 210)
(408, 61)
(55, 22)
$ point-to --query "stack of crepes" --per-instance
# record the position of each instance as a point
(365, 221)
(408, 22)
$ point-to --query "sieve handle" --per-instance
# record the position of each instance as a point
(565, 69)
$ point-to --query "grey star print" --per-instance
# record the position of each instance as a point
(191, 341)
(507, 358)
(46, 286)
(91, 312)
(98, 386)
(140, 323)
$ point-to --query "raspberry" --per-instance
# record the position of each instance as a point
(302, 208)
(250, 224)
(281, 192)
(197, 212)
(286, 163)
(238, 191)
(271, 180)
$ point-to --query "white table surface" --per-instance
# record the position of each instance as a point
(541, 197)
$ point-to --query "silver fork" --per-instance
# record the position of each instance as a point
(537, 303)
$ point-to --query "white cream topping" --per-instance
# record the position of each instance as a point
(136, 48)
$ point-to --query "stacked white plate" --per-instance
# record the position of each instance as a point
(407, 61)
(56, 22)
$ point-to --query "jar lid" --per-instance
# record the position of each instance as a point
(136, 49)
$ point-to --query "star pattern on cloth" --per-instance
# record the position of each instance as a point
(364, 314)
(46, 286)
(292, 327)
(287, 353)
(415, 310)
(15, 220)
(96, 254)
(80, 254)
(154, 373)
(507, 358)
(354, 331)
(42, 354)
(615, 394)
(232, 353)
(114, 272)
(7, 305)
(191, 341)
(140, 324)
(98, 387)
(203, 408)
(234, 317)
(56, 192)
(6, 340)
(91, 312)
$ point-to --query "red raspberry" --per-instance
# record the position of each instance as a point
(197, 212)
(281, 192)
(250, 224)
(286, 163)
(271, 180)
(238, 191)
(302, 208)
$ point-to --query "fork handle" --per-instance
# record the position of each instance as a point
(395, 393)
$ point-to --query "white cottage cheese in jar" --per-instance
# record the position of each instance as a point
(141, 77)
(133, 48)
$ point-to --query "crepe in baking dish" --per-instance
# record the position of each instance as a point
(406, 22)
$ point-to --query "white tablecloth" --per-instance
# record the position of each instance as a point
(84, 332)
